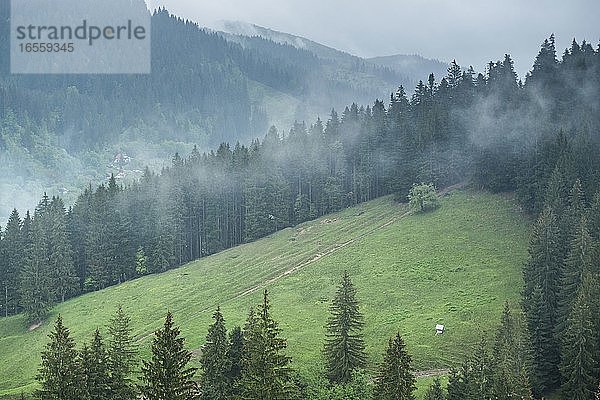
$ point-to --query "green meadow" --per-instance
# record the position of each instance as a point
(455, 266)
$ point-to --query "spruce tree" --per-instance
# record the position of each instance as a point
(13, 255)
(59, 375)
(580, 260)
(511, 359)
(344, 346)
(481, 372)
(94, 368)
(214, 363)
(266, 373)
(167, 375)
(435, 391)
(580, 352)
(62, 275)
(141, 262)
(456, 386)
(542, 275)
(593, 216)
(34, 280)
(122, 355)
(395, 380)
(235, 354)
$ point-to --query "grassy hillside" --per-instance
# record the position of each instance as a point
(456, 266)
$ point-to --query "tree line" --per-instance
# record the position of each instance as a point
(488, 128)
(251, 362)
(248, 363)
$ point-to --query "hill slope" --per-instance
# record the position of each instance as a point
(454, 266)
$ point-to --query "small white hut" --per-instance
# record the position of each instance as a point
(439, 329)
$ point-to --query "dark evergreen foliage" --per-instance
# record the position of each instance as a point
(542, 282)
(59, 375)
(235, 354)
(395, 379)
(344, 346)
(122, 356)
(215, 383)
(167, 375)
(435, 391)
(511, 358)
(266, 373)
(580, 364)
(94, 371)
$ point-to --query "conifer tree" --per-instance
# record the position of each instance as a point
(59, 374)
(481, 372)
(94, 369)
(215, 384)
(511, 360)
(63, 278)
(580, 352)
(167, 375)
(435, 391)
(395, 380)
(141, 261)
(579, 261)
(266, 373)
(593, 217)
(457, 384)
(13, 255)
(235, 354)
(122, 355)
(34, 279)
(542, 275)
(344, 346)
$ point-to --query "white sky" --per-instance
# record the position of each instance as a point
(474, 32)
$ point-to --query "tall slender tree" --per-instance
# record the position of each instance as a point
(13, 255)
(235, 353)
(95, 380)
(62, 274)
(214, 362)
(579, 261)
(35, 283)
(395, 380)
(580, 352)
(266, 371)
(122, 354)
(511, 359)
(344, 346)
(59, 375)
(542, 275)
(167, 375)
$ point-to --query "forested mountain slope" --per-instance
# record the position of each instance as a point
(456, 266)
(58, 133)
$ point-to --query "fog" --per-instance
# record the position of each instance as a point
(472, 32)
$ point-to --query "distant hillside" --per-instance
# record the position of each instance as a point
(59, 133)
(403, 69)
(456, 266)
(412, 65)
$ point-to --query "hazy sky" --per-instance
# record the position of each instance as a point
(474, 32)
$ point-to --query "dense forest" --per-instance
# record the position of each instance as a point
(538, 138)
(59, 132)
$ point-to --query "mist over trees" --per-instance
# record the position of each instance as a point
(208, 202)
(539, 139)
(58, 133)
